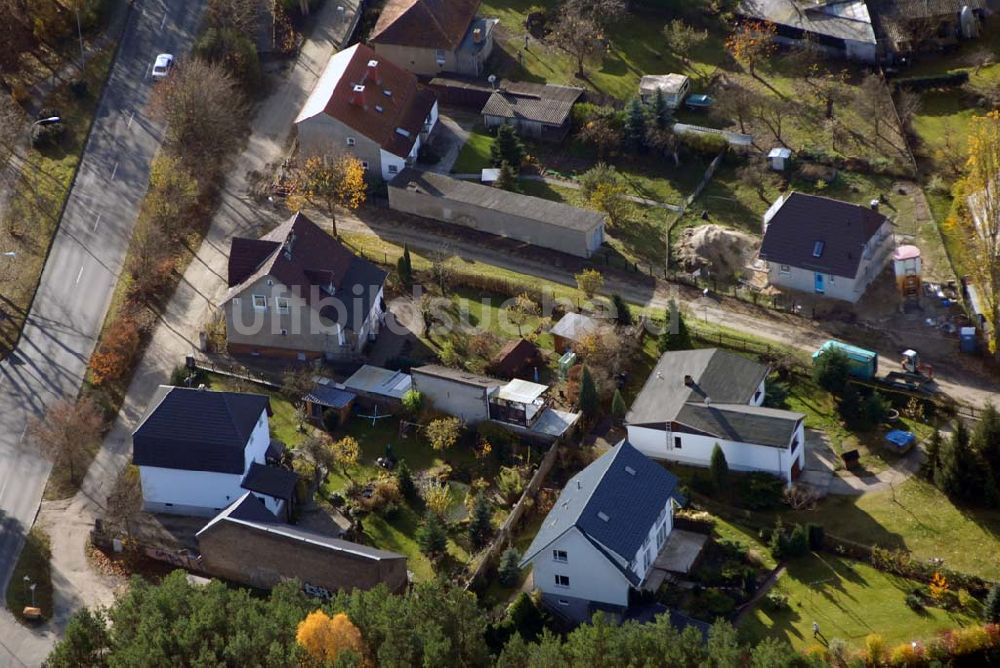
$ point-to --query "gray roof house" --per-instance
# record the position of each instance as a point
(840, 28)
(539, 111)
(377, 385)
(246, 543)
(603, 534)
(825, 246)
(197, 451)
(695, 399)
(523, 218)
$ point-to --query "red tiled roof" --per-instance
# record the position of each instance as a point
(430, 24)
(390, 110)
(301, 256)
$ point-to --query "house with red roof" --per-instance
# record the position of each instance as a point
(367, 106)
(427, 37)
(298, 292)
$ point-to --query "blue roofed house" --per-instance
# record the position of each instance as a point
(602, 536)
(199, 451)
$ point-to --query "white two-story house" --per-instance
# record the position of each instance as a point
(601, 538)
(695, 399)
(199, 451)
(825, 246)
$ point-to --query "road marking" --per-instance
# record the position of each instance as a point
(114, 171)
(164, 20)
(23, 432)
(80, 275)
(147, 71)
(131, 116)
(97, 222)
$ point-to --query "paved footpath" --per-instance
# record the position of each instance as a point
(68, 522)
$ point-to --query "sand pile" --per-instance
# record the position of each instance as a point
(722, 252)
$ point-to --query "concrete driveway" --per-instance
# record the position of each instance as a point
(79, 277)
(449, 136)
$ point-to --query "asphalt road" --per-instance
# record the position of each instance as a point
(85, 260)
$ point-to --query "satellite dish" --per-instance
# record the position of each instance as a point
(493, 80)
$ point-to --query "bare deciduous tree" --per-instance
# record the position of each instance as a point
(578, 35)
(67, 434)
(204, 111)
(125, 500)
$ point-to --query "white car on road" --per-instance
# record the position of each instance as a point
(162, 66)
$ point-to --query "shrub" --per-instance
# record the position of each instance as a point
(777, 601)
(331, 420)
(509, 572)
(914, 601)
(759, 491)
(510, 482)
(991, 608)
(413, 401)
(405, 481)
(118, 348)
(831, 371)
(875, 649)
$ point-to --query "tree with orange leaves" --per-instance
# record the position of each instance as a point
(329, 180)
(751, 41)
(324, 638)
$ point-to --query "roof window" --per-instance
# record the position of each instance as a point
(378, 108)
(818, 248)
(629, 470)
(604, 516)
(402, 131)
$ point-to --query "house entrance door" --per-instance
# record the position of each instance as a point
(820, 285)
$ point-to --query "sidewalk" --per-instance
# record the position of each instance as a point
(69, 522)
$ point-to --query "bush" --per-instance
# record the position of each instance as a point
(777, 601)
(44, 135)
(777, 395)
(831, 371)
(914, 601)
(509, 572)
(118, 348)
(413, 401)
(759, 491)
(331, 420)
(510, 482)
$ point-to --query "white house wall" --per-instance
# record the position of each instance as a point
(652, 544)
(201, 493)
(591, 576)
(388, 160)
(696, 450)
(461, 400)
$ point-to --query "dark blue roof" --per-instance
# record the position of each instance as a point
(270, 480)
(326, 395)
(250, 509)
(197, 430)
(623, 486)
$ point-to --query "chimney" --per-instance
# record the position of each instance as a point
(688, 380)
(874, 204)
(374, 74)
(708, 401)
(358, 96)
(477, 35)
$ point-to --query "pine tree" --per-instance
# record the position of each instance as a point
(623, 315)
(618, 407)
(508, 178)
(991, 608)
(719, 468)
(634, 130)
(507, 147)
(405, 480)
(432, 537)
(509, 571)
(481, 525)
(588, 394)
(675, 335)
(986, 439)
(660, 111)
(933, 461)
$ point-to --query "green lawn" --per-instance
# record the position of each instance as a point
(917, 517)
(475, 153)
(849, 600)
(38, 196)
(33, 563)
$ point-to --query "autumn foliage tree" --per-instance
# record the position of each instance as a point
(982, 185)
(326, 638)
(329, 181)
(67, 433)
(118, 349)
(443, 432)
(751, 42)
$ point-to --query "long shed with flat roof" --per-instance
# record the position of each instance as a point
(539, 222)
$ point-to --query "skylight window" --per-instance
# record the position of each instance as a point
(378, 108)
(818, 248)
(629, 470)
(387, 93)
(602, 515)
(403, 132)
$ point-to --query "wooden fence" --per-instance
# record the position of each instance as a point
(489, 556)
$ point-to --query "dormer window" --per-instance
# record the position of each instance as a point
(378, 108)
(351, 141)
(260, 302)
(603, 516)
(818, 248)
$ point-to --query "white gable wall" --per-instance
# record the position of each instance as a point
(591, 576)
(203, 492)
(696, 450)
